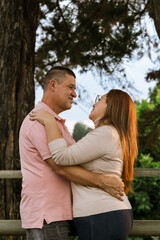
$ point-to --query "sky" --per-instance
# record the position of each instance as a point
(136, 71)
(79, 113)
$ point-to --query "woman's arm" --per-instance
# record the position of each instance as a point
(111, 184)
(90, 147)
(48, 120)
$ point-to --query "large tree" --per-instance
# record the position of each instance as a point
(18, 24)
(99, 35)
(154, 12)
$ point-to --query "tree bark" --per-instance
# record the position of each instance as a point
(154, 12)
(18, 24)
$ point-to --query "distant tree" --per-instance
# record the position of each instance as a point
(149, 124)
(80, 130)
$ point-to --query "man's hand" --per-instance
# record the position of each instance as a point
(112, 185)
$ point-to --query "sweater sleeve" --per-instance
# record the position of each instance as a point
(94, 145)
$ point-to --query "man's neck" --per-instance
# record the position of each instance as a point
(51, 105)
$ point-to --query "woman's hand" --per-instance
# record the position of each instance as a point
(42, 116)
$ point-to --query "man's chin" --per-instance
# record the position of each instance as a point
(68, 107)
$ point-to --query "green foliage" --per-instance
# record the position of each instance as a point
(146, 195)
(145, 199)
(92, 34)
(148, 115)
(154, 94)
(146, 191)
(145, 161)
(80, 130)
(158, 97)
(74, 238)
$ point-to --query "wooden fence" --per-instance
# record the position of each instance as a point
(140, 227)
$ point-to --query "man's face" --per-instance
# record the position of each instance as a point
(65, 92)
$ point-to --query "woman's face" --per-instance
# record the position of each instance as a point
(99, 109)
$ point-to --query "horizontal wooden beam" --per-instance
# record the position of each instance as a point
(138, 172)
(140, 228)
(146, 228)
(10, 174)
(146, 172)
(11, 227)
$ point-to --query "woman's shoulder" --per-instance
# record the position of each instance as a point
(105, 130)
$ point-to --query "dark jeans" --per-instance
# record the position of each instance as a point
(114, 225)
(52, 231)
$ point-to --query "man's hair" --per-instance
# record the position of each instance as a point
(57, 73)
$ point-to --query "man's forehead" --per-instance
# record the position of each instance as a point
(70, 80)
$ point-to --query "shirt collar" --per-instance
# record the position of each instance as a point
(44, 106)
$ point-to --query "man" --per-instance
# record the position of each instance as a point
(46, 195)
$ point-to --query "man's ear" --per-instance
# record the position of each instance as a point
(52, 84)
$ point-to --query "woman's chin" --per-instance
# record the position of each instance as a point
(90, 117)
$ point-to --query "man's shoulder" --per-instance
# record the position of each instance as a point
(29, 125)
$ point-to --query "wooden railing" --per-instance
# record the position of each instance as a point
(140, 227)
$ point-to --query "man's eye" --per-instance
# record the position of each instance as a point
(71, 87)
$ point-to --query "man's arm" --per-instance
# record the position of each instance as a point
(110, 184)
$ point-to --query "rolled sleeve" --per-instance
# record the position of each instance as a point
(57, 147)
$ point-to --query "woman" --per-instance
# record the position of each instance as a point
(111, 149)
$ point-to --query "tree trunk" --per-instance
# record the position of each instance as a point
(18, 24)
(154, 12)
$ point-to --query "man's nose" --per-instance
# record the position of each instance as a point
(74, 94)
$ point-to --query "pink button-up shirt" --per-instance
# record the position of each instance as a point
(45, 195)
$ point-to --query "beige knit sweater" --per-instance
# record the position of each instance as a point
(100, 152)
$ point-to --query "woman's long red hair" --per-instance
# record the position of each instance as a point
(121, 114)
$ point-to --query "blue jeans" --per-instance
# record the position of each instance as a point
(114, 225)
(52, 231)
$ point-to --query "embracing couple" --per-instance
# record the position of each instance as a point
(86, 181)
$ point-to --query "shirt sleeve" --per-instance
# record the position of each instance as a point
(94, 145)
(39, 139)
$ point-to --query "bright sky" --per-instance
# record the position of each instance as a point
(136, 71)
(79, 113)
